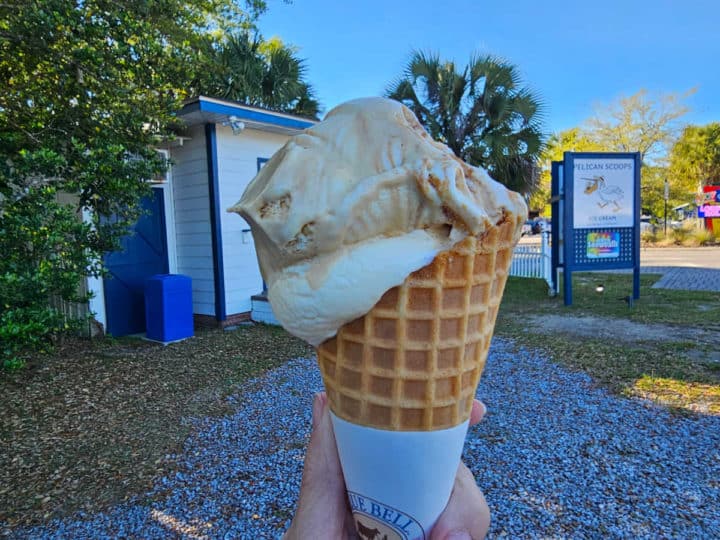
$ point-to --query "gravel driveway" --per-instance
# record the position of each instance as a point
(556, 456)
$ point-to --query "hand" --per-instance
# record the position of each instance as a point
(466, 516)
(323, 511)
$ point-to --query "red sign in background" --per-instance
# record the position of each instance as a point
(711, 209)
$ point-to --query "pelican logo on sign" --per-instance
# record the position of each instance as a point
(607, 195)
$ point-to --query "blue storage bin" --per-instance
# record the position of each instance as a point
(168, 307)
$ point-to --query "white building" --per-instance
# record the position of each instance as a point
(187, 229)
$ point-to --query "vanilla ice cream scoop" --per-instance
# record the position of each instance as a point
(350, 207)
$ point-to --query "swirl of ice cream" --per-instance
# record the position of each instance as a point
(350, 207)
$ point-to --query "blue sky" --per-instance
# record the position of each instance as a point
(575, 54)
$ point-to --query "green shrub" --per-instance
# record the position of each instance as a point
(44, 255)
(649, 237)
(703, 237)
(679, 235)
(25, 330)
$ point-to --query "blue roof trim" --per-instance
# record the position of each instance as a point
(244, 114)
(215, 223)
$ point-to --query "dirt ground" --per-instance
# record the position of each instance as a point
(97, 421)
(623, 330)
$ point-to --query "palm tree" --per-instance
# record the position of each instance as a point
(267, 74)
(482, 113)
(283, 84)
(237, 70)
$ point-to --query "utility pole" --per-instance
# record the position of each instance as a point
(667, 196)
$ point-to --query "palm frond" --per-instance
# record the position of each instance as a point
(482, 112)
(263, 73)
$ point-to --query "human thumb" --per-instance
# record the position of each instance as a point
(466, 516)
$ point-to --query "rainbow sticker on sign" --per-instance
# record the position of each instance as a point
(603, 245)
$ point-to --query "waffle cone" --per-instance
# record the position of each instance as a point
(413, 362)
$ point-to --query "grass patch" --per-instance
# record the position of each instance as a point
(680, 371)
(659, 306)
(701, 398)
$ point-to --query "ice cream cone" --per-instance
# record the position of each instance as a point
(389, 254)
(414, 361)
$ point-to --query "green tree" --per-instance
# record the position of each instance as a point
(652, 191)
(88, 88)
(695, 157)
(646, 124)
(571, 140)
(481, 111)
(268, 74)
(639, 123)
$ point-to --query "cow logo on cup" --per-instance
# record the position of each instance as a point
(372, 529)
(377, 521)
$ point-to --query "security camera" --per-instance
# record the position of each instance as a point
(235, 124)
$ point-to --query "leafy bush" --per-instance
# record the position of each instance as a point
(702, 237)
(649, 237)
(44, 248)
(88, 90)
(679, 235)
(27, 329)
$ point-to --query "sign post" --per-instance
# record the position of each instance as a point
(557, 223)
(601, 215)
(666, 196)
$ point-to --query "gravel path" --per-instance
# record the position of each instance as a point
(556, 456)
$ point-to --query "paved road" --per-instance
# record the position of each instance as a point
(708, 257)
(688, 269)
(686, 279)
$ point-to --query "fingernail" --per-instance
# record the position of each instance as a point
(483, 408)
(458, 535)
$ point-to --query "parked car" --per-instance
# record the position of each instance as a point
(646, 226)
(540, 225)
(527, 228)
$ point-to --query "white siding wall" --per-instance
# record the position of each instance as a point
(192, 219)
(237, 165)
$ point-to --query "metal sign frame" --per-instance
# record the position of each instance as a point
(557, 222)
(571, 252)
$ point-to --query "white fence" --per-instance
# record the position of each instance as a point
(533, 260)
(74, 310)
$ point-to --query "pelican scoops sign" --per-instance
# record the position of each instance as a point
(603, 193)
(597, 196)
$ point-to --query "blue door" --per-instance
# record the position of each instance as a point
(143, 254)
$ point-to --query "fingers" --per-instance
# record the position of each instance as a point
(322, 464)
(466, 515)
(323, 500)
(318, 408)
(322, 505)
(477, 412)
